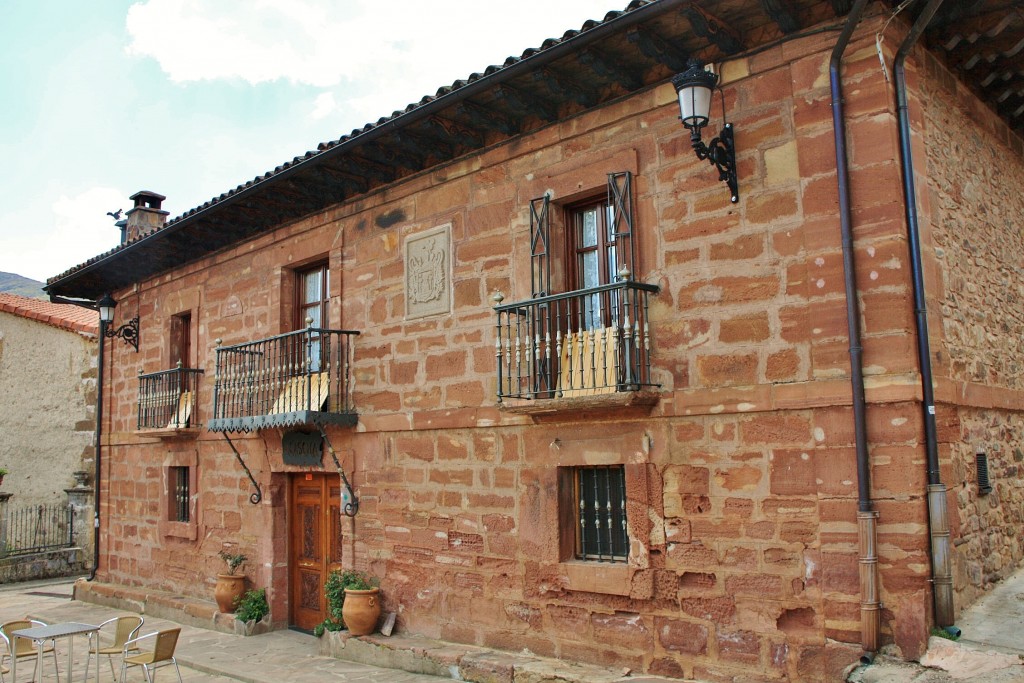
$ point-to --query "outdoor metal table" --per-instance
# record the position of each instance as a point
(40, 634)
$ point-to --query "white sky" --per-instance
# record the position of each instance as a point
(190, 98)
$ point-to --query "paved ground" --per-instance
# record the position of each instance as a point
(204, 656)
(990, 651)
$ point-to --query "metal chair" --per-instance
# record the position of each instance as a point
(161, 655)
(24, 647)
(126, 628)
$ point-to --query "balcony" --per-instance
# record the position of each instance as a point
(295, 379)
(583, 344)
(167, 399)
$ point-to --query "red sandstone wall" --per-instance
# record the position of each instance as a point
(741, 481)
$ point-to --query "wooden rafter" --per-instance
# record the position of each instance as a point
(488, 119)
(562, 88)
(658, 49)
(783, 14)
(524, 104)
(610, 69)
(708, 26)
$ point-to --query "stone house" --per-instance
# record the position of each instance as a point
(586, 404)
(48, 394)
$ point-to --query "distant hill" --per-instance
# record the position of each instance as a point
(22, 286)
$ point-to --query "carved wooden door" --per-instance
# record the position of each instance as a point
(315, 544)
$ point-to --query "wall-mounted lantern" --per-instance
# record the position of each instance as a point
(695, 87)
(129, 332)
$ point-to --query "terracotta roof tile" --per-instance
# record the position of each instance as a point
(64, 316)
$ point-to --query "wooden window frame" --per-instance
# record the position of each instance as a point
(302, 306)
(180, 338)
(571, 540)
(170, 525)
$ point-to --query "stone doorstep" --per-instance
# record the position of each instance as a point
(467, 662)
(160, 604)
(403, 652)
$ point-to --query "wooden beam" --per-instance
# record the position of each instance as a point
(449, 129)
(358, 183)
(707, 25)
(487, 118)
(393, 154)
(562, 88)
(435, 147)
(608, 69)
(657, 48)
(525, 104)
(783, 14)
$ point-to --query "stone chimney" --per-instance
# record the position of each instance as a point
(146, 216)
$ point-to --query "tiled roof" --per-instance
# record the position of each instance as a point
(64, 316)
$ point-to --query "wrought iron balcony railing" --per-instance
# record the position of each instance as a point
(582, 343)
(167, 399)
(297, 378)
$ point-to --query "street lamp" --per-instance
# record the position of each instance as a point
(129, 332)
(695, 87)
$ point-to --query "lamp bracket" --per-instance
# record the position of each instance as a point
(350, 508)
(129, 332)
(257, 495)
(720, 153)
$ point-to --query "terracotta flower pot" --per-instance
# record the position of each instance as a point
(361, 611)
(229, 588)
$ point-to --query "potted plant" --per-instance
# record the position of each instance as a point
(353, 602)
(230, 586)
(361, 608)
(250, 611)
(3, 472)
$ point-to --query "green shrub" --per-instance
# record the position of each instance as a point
(252, 606)
(943, 633)
(334, 591)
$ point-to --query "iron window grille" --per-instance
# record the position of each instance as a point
(181, 494)
(601, 513)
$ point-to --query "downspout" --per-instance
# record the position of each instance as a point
(99, 439)
(938, 519)
(866, 517)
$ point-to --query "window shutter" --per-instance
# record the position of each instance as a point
(540, 247)
(620, 200)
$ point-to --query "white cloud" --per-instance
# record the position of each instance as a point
(406, 48)
(323, 106)
(81, 229)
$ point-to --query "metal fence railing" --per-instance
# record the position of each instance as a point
(36, 528)
(167, 399)
(284, 380)
(581, 343)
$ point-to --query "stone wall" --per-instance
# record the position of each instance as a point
(48, 394)
(741, 482)
(973, 256)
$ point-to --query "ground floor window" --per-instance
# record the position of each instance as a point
(599, 505)
(179, 494)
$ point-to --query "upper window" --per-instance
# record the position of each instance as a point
(314, 287)
(593, 245)
(181, 340)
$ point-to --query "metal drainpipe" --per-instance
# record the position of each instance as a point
(938, 520)
(99, 437)
(866, 517)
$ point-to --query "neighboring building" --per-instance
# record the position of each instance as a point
(678, 361)
(48, 398)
